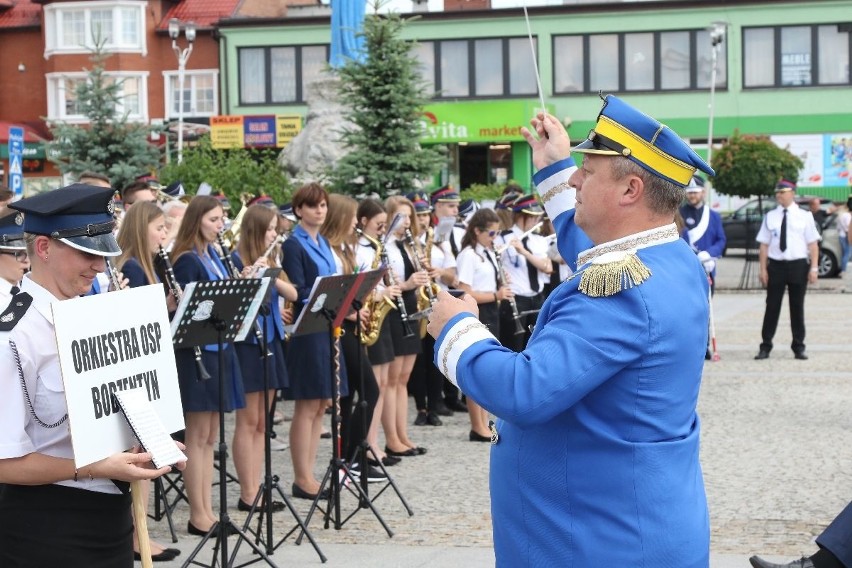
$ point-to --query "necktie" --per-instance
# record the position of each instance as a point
(783, 243)
(532, 271)
(497, 278)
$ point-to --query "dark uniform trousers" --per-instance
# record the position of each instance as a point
(508, 337)
(791, 275)
(837, 538)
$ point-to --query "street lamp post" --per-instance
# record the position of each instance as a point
(182, 57)
(717, 36)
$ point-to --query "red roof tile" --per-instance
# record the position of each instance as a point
(19, 14)
(205, 13)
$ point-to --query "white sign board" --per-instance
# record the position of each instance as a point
(109, 343)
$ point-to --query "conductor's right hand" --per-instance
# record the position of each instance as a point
(550, 143)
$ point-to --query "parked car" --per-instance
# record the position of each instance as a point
(742, 225)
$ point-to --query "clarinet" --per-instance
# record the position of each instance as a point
(277, 241)
(174, 288)
(225, 256)
(400, 302)
(516, 316)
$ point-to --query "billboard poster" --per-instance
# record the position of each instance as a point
(838, 159)
(809, 149)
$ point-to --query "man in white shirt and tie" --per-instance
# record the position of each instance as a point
(789, 257)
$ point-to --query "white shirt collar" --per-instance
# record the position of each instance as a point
(42, 298)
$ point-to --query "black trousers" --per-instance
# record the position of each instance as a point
(508, 337)
(54, 525)
(791, 275)
(356, 417)
(426, 383)
(837, 538)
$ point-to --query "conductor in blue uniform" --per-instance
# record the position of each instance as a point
(594, 457)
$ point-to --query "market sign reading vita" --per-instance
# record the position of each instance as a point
(485, 121)
(266, 131)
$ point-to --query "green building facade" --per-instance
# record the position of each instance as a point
(783, 69)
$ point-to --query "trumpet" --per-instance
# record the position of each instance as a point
(175, 289)
(502, 281)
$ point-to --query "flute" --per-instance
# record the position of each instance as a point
(256, 270)
(532, 230)
(177, 293)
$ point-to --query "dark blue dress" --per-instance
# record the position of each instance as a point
(203, 395)
(309, 356)
(249, 353)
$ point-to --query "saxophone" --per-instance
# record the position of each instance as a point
(427, 293)
(379, 308)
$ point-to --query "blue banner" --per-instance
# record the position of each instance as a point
(347, 17)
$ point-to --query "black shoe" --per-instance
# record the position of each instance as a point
(193, 530)
(442, 410)
(276, 506)
(456, 405)
(325, 435)
(373, 475)
(164, 556)
(387, 461)
(708, 355)
(477, 437)
(421, 418)
(433, 420)
(407, 453)
(762, 354)
(759, 562)
(300, 493)
(801, 355)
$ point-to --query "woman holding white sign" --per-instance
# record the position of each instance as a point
(196, 260)
(51, 513)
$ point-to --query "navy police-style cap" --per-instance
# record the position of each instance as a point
(468, 207)
(446, 194)
(527, 204)
(175, 189)
(784, 185)
(12, 232)
(420, 201)
(79, 215)
(696, 185)
(286, 211)
(506, 200)
(621, 130)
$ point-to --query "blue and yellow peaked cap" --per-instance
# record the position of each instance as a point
(621, 130)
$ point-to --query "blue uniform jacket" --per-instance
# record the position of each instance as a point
(596, 464)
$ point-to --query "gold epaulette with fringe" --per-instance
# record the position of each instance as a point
(612, 272)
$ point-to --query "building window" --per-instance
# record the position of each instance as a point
(796, 56)
(487, 67)
(280, 74)
(199, 93)
(62, 103)
(644, 61)
(75, 27)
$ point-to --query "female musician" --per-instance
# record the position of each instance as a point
(256, 251)
(307, 256)
(371, 221)
(196, 260)
(426, 383)
(142, 233)
(478, 276)
(406, 339)
(52, 514)
(339, 229)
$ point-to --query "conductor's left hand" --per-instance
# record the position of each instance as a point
(446, 308)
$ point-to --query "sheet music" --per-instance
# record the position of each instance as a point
(148, 428)
(444, 228)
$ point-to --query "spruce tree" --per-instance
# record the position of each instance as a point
(109, 143)
(384, 96)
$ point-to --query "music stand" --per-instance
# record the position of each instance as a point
(270, 481)
(219, 311)
(331, 299)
